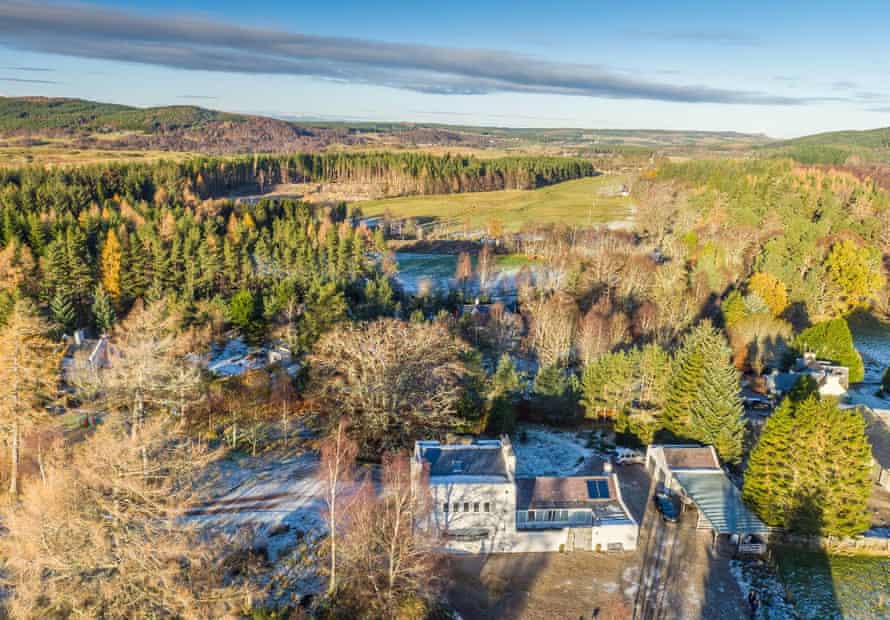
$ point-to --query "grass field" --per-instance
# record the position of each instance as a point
(53, 154)
(827, 587)
(575, 203)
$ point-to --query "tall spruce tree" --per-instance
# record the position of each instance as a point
(810, 469)
(62, 312)
(103, 310)
(716, 414)
(769, 477)
(703, 397)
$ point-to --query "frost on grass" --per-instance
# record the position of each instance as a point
(546, 452)
(761, 578)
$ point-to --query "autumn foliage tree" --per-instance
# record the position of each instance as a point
(26, 377)
(771, 290)
(104, 536)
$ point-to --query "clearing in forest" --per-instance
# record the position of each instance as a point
(582, 202)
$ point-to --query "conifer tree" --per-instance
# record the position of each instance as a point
(703, 398)
(810, 469)
(110, 266)
(689, 367)
(62, 312)
(769, 483)
(103, 310)
(832, 340)
(733, 309)
(506, 380)
(716, 414)
(26, 374)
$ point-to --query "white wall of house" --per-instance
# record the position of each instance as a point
(471, 498)
(623, 534)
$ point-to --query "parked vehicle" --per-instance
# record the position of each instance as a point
(627, 456)
(666, 506)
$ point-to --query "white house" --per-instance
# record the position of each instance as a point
(832, 380)
(479, 506)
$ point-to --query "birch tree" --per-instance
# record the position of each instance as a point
(335, 472)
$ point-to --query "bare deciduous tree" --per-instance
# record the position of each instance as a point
(553, 320)
(142, 367)
(388, 561)
(336, 470)
(394, 381)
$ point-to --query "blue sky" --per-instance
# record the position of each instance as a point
(781, 70)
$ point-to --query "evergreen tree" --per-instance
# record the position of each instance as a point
(716, 414)
(323, 307)
(245, 313)
(733, 309)
(689, 368)
(703, 400)
(506, 381)
(832, 340)
(103, 310)
(607, 385)
(769, 484)
(810, 469)
(62, 312)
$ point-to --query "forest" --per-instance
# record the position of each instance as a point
(732, 269)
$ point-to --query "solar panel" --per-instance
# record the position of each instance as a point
(598, 489)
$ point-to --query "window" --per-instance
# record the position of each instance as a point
(531, 516)
(486, 507)
(445, 507)
(456, 507)
(476, 507)
(466, 506)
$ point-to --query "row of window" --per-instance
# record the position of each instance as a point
(455, 507)
(543, 516)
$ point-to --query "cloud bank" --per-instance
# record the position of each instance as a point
(90, 31)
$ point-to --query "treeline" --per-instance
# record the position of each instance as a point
(821, 233)
(73, 190)
(287, 257)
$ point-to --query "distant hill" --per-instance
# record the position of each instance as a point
(92, 125)
(37, 113)
(836, 147)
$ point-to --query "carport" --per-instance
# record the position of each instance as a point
(721, 509)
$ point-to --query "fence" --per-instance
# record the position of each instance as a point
(872, 544)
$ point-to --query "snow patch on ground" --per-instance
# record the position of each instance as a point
(760, 577)
(543, 451)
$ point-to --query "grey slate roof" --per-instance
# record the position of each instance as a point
(720, 502)
(465, 460)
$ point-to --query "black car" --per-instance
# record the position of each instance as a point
(667, 507)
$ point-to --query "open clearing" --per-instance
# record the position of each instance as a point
(581, 202)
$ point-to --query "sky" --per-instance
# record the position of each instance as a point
(778, 68)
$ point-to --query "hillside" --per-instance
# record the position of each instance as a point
(42, 113)
(836, 147)
(29, 122)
